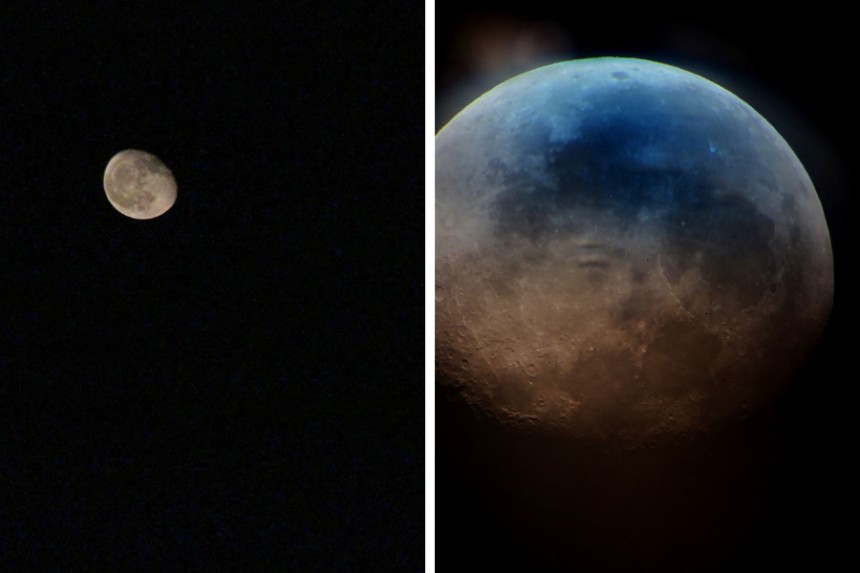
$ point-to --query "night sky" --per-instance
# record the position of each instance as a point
(764, 495)
(237, 384)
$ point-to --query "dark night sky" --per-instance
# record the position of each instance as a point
(786, 471)
(236, 385)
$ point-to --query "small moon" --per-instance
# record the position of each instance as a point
(139, 185)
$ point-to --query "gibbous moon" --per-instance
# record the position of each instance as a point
(625, 252)
(139, 185)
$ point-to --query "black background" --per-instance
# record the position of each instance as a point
(764, 495)
(237, 384)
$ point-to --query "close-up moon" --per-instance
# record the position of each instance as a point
(139, 185)
(626, 253)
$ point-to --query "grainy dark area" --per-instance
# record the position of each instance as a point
(236, 385)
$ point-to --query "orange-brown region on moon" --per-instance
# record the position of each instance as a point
(621, 249)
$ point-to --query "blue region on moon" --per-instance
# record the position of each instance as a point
(675, 158)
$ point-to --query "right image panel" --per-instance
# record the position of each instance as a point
(640, 258)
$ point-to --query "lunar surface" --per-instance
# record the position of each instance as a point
(139, 185)
(625, 252)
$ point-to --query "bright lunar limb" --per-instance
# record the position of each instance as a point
(139, 185)
(625, 251)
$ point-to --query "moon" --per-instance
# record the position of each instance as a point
(139, 185)
(626, 253)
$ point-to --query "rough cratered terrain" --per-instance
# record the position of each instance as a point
(625, 251)
(139, 185)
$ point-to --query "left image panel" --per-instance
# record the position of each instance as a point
(212, 278)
